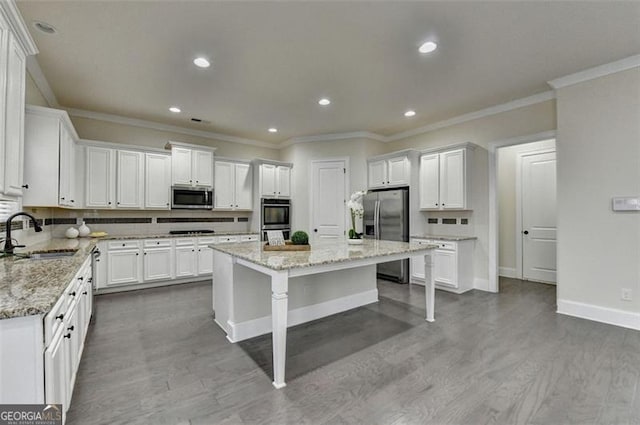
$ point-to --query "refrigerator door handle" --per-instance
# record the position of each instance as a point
(377, 220)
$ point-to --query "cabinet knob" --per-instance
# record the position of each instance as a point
(62, 198)
(123, 244)
(145, 253)
(436, 204)
(60, 316)
(25, 186)
(137, 253)
(67, 336)
(109, 202)
(526, 232)
(70, 328)
(118, 203)
(236, 206)
(73, 294)
(84, 293)
(81, 278)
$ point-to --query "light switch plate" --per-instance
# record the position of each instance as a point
(627, 203)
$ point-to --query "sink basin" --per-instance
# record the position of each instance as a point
(52, 255)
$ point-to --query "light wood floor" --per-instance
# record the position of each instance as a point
(156, 357)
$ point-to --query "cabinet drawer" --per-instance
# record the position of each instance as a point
(185, 241)
(421, 241)
(207, 241)
(449, 246)
(248, 238)
(113, 245)
(155, 243)
(227, 239)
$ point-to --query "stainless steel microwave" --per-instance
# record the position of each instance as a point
(191, 198)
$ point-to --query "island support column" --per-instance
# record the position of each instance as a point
(429, 286)
(279, 305)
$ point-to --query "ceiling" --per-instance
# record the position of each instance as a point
(272, 61)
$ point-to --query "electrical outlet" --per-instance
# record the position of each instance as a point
(625, 294)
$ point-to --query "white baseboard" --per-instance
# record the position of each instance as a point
(262, 325)
(612, 316)
(481, 284)
(507, 272)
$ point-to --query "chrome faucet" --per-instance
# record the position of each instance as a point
(8, 245)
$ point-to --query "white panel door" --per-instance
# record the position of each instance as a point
(157, 181)
(430, 181)
(328, 194)
(398, 171)
(157, 264)
(377, 173)
(268, 181)
(130, 179)
(123, 267)
(539, 217)
(452, 179)
(244, 186)
(283, 181)
(203, 168)
(224, 185)
(14, 124)
(186, 261)
(100, 171)
(181, 166)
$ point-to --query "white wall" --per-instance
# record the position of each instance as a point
(531, 119)
(506, 179)
(598, 151)
(358, 150)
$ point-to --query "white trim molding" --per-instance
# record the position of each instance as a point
(507, 272)
(596, 72)
(481, 284)
(135, 122)
(18, 27)
(262, 325)
(333, 136)
(611, 316)
(33, 67)
(493, 110)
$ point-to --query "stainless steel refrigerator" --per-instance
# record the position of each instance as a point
(386, 216)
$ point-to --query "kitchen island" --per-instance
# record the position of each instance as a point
(256, 292)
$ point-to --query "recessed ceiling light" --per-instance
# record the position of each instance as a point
(175, 109)
(428, 47)
(273, 130)
(324, 101)
(410, 113)
(44, 27)
(201, 62)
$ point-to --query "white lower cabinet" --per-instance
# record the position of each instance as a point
(452, 268)
(44, 352)
(131, 264)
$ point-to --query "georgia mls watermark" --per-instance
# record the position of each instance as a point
(30, 414)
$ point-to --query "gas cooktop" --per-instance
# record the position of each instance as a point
(188, 232)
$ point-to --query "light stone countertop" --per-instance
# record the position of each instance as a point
(30, 287)
(445, 237)
(170, 236)
(324, 252)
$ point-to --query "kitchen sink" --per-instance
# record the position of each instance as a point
(52, 255)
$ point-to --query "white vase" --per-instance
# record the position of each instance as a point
(84, 230)
(71, 233)
(354, 241)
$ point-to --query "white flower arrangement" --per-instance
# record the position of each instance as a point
(357, 210)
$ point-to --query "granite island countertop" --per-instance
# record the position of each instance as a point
(445, 237)
(30, 287)
(323, 252)
(170, 236)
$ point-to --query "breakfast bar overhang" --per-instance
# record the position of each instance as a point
(331, 277)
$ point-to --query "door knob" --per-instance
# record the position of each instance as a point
(526, 232)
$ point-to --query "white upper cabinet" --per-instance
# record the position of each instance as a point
(389, 172)
(191, 167)
(233, 185)
(157, 181)
(50, 165)
(129, 179)
(100, 171)
(275, 181)
(444, 180)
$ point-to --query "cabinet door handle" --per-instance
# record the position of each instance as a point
(81, 278)
(25, 186)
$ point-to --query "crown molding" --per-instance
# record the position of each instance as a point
(331, 137)
(596, 72)
(58, 114)
(11, 13)
(492, 110)
(135, 122)
(33, 67)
